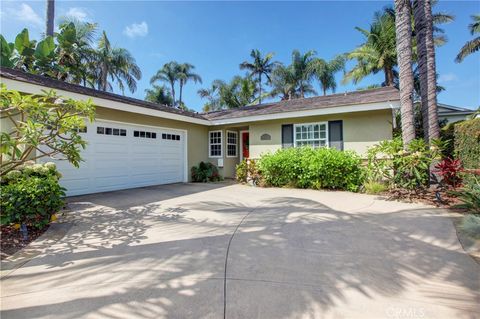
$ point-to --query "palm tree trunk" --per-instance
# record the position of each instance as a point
(427, 68)
(404, 53)
(50, 17)
(104, 77)
(180, 94)
(172, 84)
(260, 88)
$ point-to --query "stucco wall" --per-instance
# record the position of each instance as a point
(196, 134)
(360, 130)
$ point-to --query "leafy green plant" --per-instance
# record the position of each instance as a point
(205, 172)
(247, 171)
(388, 161)
(471, 226)
(312, 168)
(469, 195)
(41, 126)
(374, 187)
(30, 195)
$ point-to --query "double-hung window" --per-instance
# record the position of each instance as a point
(215, 144)
(232, 144)
(311, 134)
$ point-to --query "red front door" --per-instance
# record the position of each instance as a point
(245, 145)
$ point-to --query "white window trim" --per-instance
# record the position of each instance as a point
(236, 144)
(327, 144)
(210, 144)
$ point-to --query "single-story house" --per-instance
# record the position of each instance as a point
(452, 114)
(134, 143)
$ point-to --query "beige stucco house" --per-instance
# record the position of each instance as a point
(133, 143)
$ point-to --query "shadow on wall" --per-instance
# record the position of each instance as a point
(306, 252)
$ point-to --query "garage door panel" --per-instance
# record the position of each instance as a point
(114, 162)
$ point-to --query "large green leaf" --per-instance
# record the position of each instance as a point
(22, 41)
(6, 49)
(45, 48)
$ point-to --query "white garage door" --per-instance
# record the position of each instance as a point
(120, 156)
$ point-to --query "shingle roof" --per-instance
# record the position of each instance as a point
(60, 85)
(383, 94)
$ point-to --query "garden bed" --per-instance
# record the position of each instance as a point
(12, 240)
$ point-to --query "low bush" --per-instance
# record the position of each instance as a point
(30, 195)
(312, 168)
(469, 195)
(449, 171)
(467, 143)
(374, 187)
(247, 171)
(205, 172)
(409, 169)
(471, 226)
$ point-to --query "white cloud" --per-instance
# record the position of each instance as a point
(136, 30)
(77, 13)
(25, 14)
(447, 77)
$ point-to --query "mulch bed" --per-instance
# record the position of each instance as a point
(11, 239)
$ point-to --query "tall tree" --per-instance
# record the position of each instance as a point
(378, 52)
(169, 74)
(403, 25)
(302, 69)
(117, 64)
(324, 72)
(427, 69)
(185, 74)
(258, 67)
(50, 18)
(158, 94)
(473, 45)
(212, 94)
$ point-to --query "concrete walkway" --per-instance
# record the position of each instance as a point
(209, 251)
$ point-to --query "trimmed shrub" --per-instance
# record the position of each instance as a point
(247, 171)
(467, 143)
(205, 172)
(30, 195)
(312, 168)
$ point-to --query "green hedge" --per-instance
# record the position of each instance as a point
(30, 195)
(312, 168)
(467, 143)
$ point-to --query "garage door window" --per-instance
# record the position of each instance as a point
(173, 137)
(215, 144)
(111, 131)
(144, 134)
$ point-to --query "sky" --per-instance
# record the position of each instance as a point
(217, 36)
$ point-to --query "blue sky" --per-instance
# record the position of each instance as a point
(217, 36)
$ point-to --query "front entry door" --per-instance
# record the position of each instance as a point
(245, 145)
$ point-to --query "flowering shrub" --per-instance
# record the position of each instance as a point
(30, 195)
(205, 172)
(390, 162)
(450, 169)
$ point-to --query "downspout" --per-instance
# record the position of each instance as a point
(394, 118)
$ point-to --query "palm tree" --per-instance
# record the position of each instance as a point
(185, 73)
(427, 69)
(212, 96)
(325, 71)
(403, 25)
(302, 70)
(283, 83)
(117, 64)
(168, 73)
(240, 91)
(378, 52)
(159, 94)
(50, 18)
(260, 66)
(473, 45)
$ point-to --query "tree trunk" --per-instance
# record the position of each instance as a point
(404, 54)
(427, 69)
(260, 88)
(172, 84)
(388, 76)
(180, 94)
(50, 18)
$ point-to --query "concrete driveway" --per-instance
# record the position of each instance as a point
(209, 251)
